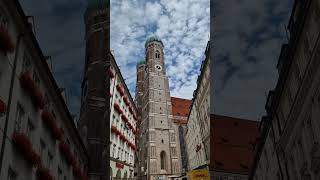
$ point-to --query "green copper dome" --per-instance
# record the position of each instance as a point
(153, 38)
(97, 4)
(142, 61)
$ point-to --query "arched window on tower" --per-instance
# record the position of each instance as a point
(163, 160)
(157, 54)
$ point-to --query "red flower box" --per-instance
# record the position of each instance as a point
(131, 110)
(50, 122)
(124, 118)
(77, 172)
(3, 107)
(65, 150)
(6, 42)
(126, 101)
(30, 86)
(117, 108)
(120, 89)
(84, 177)
(43, 173)
(25, 147)
(22, 142)
(111, 73)
(119, 165)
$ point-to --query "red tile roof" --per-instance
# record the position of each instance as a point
(180, 107)
(231, 144)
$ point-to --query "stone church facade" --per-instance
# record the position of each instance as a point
(158, 151)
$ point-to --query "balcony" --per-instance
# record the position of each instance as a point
(6, 42)
(29, 85)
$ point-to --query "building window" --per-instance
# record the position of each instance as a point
(12, 175)
(157, 54)
(19, 117)
(36, 78)
(50, 159)
(30, 129)
(26, 66)
(59, 173)
(163, 160)
(42, 148)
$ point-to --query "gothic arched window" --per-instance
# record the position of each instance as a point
(163, 160)
(157, 54)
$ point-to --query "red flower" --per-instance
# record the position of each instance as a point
(120, 89)
(111, 73)
(50, 122)
(3, 107)
(77, 172)
(43, 173)
(6, 42)
(65, 150)
(22, 142)
(124, 118)
(126, 101)
(30, 86)
(117, 108)
(25, 147)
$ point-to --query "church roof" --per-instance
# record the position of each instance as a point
(180, 107)
(232, 141)
(142, 61)
(153, 38)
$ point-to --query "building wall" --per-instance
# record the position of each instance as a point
(291, 147)
(198, 127)
(23, 116)
(120, 151)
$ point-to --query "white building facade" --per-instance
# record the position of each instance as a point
(38, 137)
(123, 119)
(198, 127)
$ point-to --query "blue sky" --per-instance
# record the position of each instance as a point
(182, 25)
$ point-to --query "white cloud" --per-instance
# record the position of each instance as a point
(182, 25)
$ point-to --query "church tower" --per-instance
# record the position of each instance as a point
(158, 155)
(93, 122)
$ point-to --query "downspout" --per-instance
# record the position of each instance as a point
(9, 100)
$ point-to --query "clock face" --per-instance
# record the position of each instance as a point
(158, 67)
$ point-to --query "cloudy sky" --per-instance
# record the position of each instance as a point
(182, 25)
(247, 37)
(60, 33)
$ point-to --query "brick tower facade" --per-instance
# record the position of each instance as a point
(93, 123)
(158, 155)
